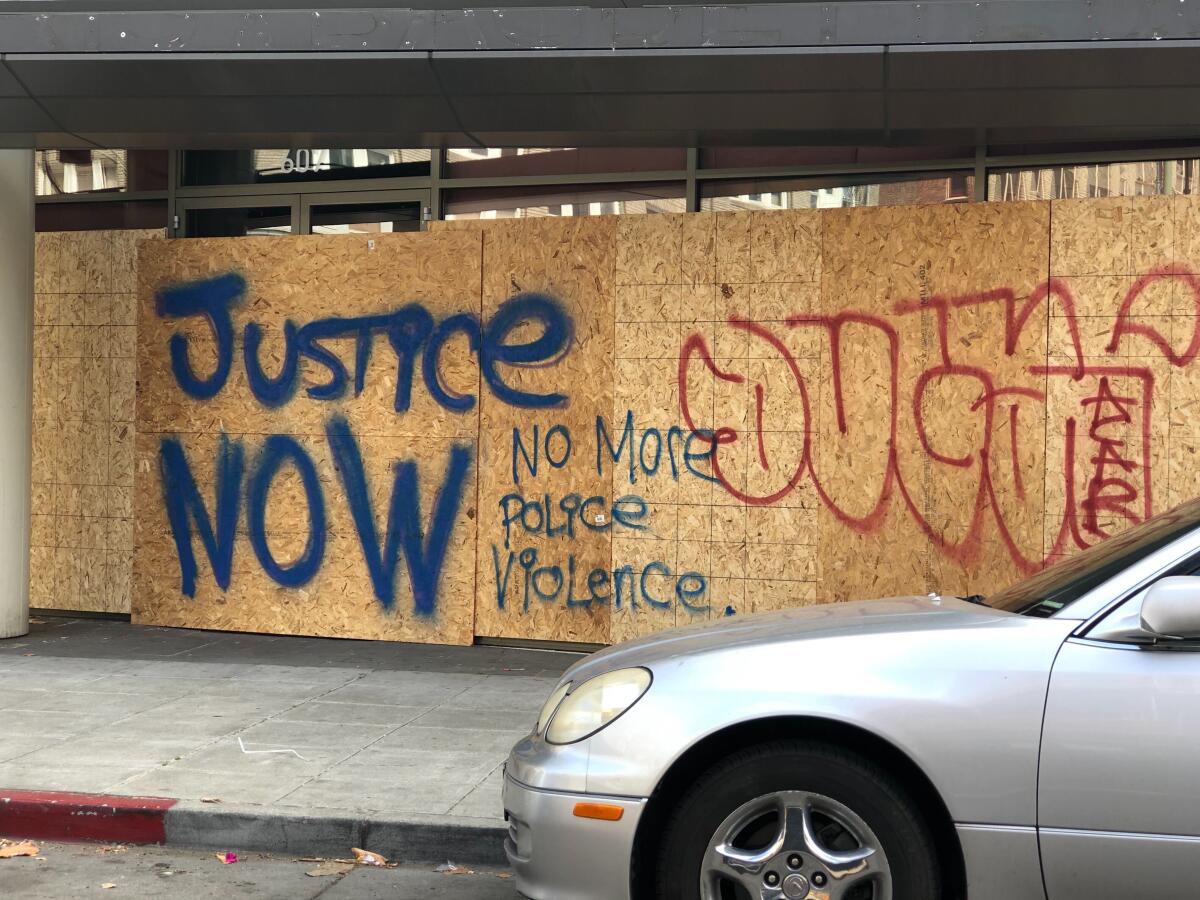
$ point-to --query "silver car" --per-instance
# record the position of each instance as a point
(1039, 744)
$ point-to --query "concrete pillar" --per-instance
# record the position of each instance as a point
(16, 386)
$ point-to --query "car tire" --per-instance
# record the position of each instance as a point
(790, 772)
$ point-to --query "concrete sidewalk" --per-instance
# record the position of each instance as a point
(377, 738)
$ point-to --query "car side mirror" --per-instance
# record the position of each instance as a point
(1171, 608)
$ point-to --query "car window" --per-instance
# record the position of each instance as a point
(1125, 618)
(1058, 586)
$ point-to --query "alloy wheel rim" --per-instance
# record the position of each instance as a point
(794, 845)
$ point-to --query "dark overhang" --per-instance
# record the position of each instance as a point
(865, 72)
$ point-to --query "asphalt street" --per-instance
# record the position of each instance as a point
(69, 871)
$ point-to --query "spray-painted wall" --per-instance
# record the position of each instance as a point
(590, 429)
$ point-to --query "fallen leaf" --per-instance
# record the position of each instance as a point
(329, 867)
(504, 874)
(449, 868)
(25, 848)
(227, 859)
(210, 799)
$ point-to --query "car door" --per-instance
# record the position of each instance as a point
(1119, 776)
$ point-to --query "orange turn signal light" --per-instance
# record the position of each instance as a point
(607, 812)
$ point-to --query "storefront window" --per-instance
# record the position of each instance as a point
(503, 163)
(258, 221)
(832, 191)
(565, 200)
(366, 218)
(1126, 179)
(222, 167)
(99, 171)
(779, 157)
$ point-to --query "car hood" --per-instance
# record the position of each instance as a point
(891, 615)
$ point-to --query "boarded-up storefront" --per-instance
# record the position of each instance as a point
(588, 429)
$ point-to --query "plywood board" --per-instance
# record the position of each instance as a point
(678, 418)
(351, 481)
(81, 527)
(545, 514)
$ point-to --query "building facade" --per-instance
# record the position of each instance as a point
(829, 297)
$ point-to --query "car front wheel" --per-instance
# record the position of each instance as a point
(797, 821)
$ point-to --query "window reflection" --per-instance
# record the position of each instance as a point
(91, 171)
(261, 221)
(834, 192)
(366, 218)
(1126, 179)
(565, 200)
(216, 167)
(500, 163)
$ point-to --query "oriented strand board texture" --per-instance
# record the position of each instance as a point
(676, 419)
(380, 541)
(545, 558)
(814, 406)
(81, 547)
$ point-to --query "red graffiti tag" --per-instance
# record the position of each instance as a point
(1003, 400)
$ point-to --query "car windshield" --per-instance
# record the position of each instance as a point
(1058, 586)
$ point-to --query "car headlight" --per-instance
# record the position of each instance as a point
(594, 704)
(551, 705)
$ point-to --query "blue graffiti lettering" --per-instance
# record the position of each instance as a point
(501, 583)
(184, 504)
(645, 456)
(279, 449)
(212, 299)
(603, 440)
(546, 349)
(622, 575)
(537, 516)
(651, 467)
(466, 324)
(650, 568)
(531, 463)
(271, 392)
(629, 511)
(563, 432)
(423, 555)
(691, 586)
(411, 331)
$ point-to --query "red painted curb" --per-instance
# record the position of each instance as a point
(60, 816)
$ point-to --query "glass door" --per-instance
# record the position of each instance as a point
(264, 215)
(364, 212)
(316, 212)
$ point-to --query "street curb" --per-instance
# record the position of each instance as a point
(51, 815)
(329, 833)
(61, 816)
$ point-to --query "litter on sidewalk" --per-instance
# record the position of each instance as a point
(367, 858)
(330, 867)
(10, 850)
(254, 752)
